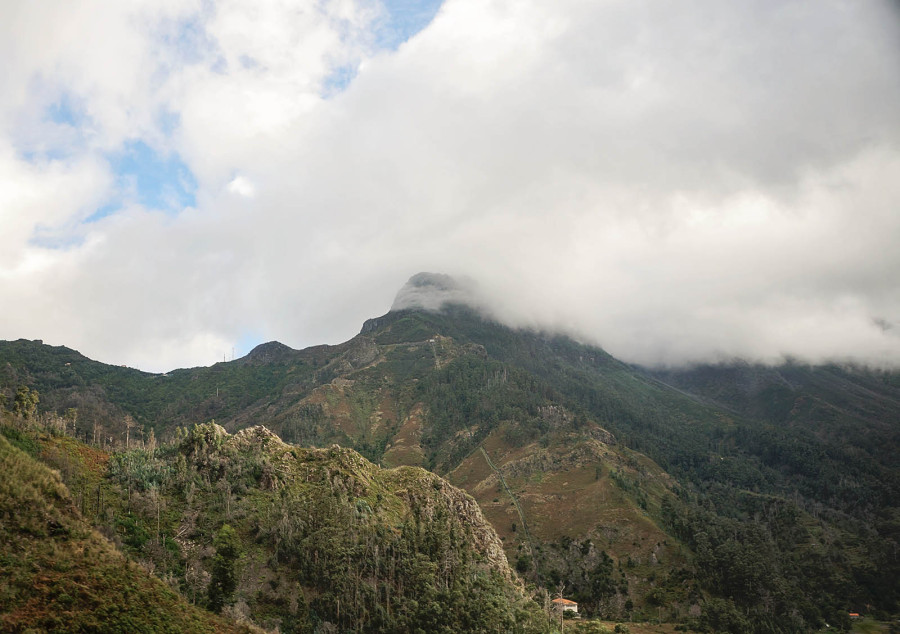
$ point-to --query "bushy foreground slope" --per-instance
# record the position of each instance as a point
(58, 574)
(297, 539)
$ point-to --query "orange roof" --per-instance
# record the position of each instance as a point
(564, 602)
(854, 614)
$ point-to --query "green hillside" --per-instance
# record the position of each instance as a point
(748, 499)
(264, 532)
(57, 574)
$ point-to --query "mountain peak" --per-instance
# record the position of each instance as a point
(268, 352)
(431, 291)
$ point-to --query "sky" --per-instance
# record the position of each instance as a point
(677, 182)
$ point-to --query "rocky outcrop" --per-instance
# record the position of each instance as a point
(427, 491)
(278, 464)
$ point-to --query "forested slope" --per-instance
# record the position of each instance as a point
(740, 493)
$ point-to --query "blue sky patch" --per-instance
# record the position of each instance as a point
(150, 179)
(339, 79)
(190, 39)
(66, 111)
(405, 19)
(168, 122)
(60, 132)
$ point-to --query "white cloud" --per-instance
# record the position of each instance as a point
(242, 187)
(673, 182)
(38, 198)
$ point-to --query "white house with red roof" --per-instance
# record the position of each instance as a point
(565, 605)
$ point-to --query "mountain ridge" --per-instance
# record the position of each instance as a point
(639, 488)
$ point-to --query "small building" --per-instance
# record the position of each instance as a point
(854, 615)
(565, 605)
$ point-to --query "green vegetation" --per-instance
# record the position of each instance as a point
(26, 402)
(797, 493)
(57, 574)
(224, 574)
(301, 540)
(727, 498)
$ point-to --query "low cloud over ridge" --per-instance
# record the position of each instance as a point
(433, 291)
(674, 183)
